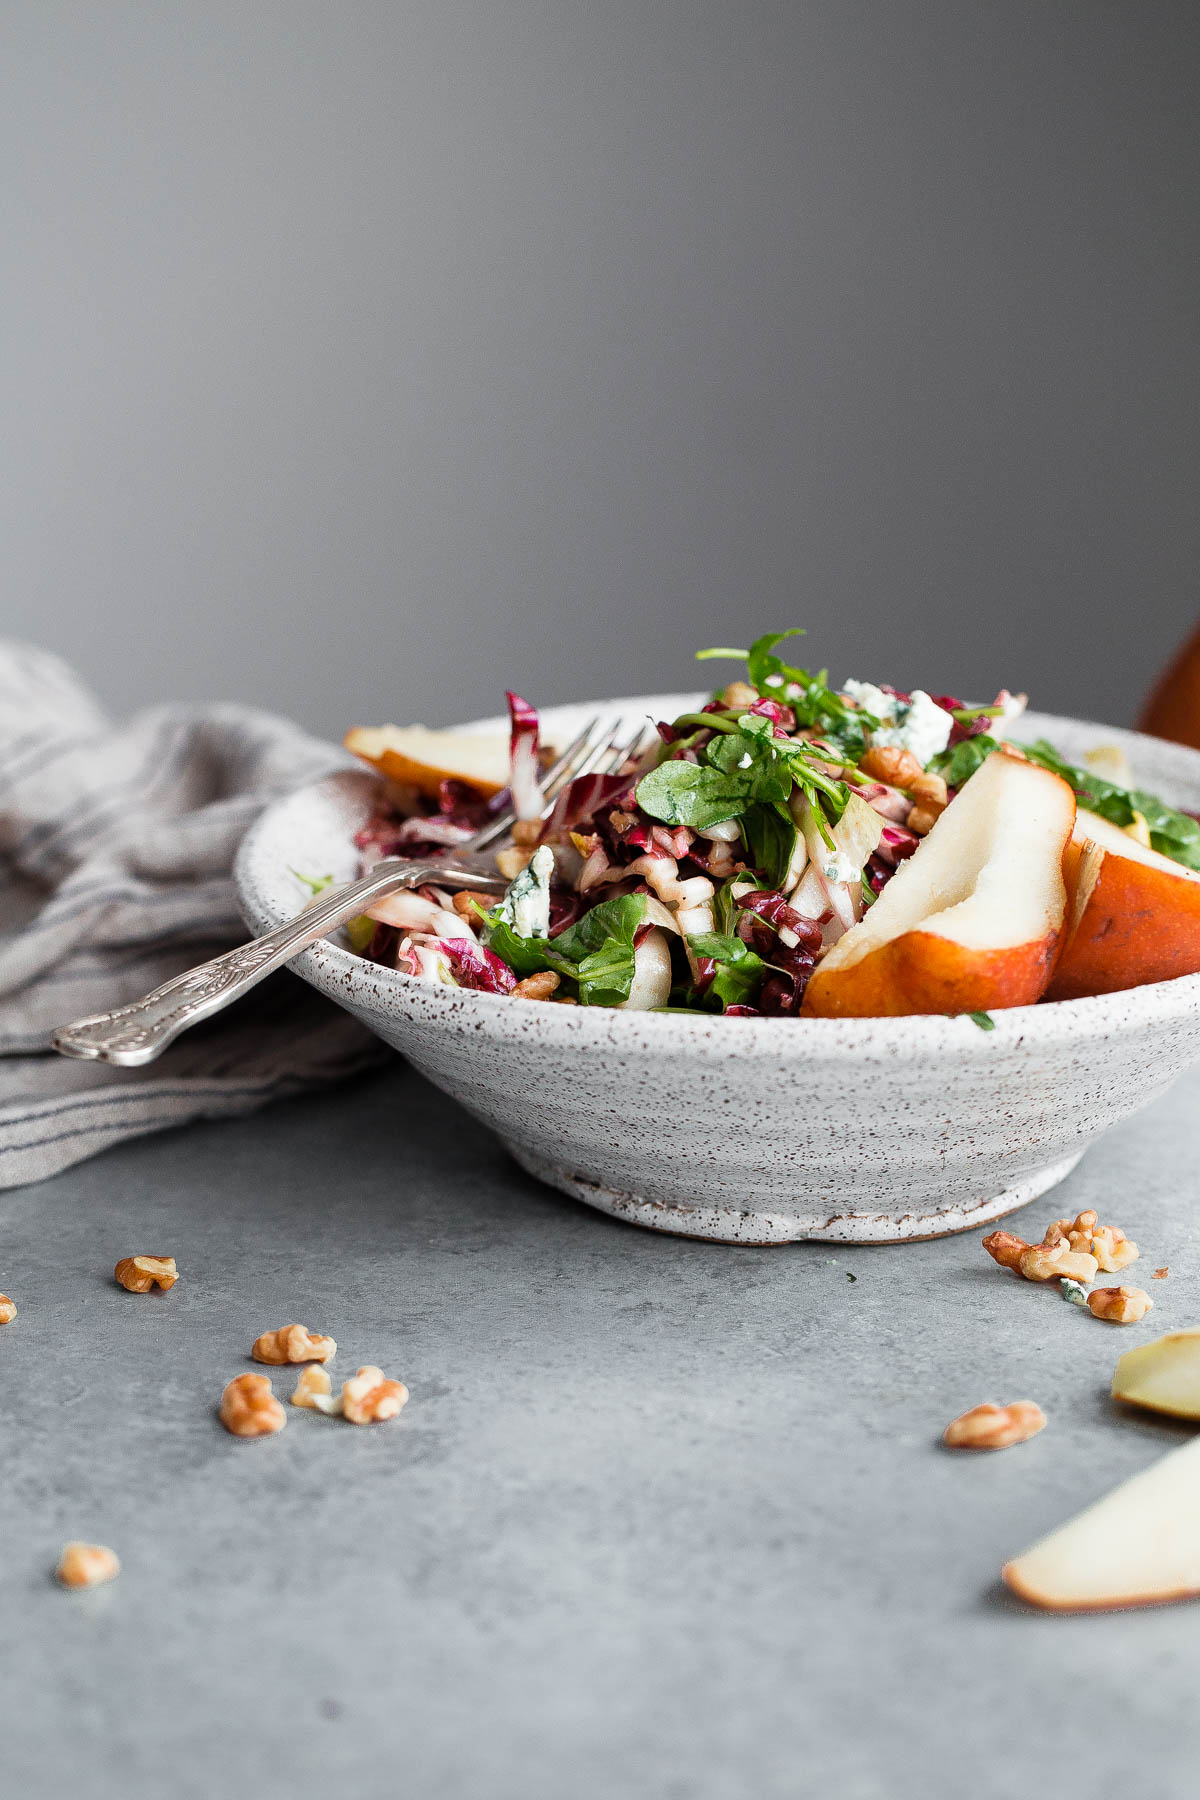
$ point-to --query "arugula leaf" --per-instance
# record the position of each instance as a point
(596, 952)
(316, 884)
(739, 969)
(984, 1020)
(1172, 833)
(769, 832)
(741, 768)
(810, 696)
(958, 765)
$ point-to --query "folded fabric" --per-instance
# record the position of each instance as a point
(116, 845)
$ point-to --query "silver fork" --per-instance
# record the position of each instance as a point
(137, 1033)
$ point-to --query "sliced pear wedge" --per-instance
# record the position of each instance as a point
(1163, 1376)
(417, 757)
(1139, 1546)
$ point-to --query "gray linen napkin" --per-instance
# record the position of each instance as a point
(116, 844)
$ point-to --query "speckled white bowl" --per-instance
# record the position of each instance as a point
(748, 1130)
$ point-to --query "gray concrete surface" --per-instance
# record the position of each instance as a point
(661, 1519)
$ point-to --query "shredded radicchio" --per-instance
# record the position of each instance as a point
(473, 965)
(525, 784)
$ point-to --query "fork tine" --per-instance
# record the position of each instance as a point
(564, 769)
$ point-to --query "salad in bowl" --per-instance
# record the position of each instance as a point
(788, 848)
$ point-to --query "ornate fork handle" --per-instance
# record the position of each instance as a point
(135, 1034)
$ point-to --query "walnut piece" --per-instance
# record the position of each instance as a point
(467, 900)
(8, 1311)
(931, 798)
(293, 1344)
(886, 762)
(537, 987)
(86, 1565)
(739, 695)
(1005, 1247)
(1050, 1262)
(315, 1391)
(369, 1397)
(1107, 1243)
(1120, 1305)
(991, 1427)
(510, 862)
(250, 1409)
(139, 1274)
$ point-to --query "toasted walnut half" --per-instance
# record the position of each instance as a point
(86, 1565)
(140, 1273)
(314, 1390)
(8, 1311)
(537, 987)
(991, 1427)
(293, 1344)
(1120, 1305)
(1050, 1262)
(1005, 1247)
(250, 1409)
(369, 1397)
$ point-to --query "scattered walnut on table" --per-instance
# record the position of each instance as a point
(86, 1565)
(138, 1274)
(315, 1391)
(250, 1409)
(1005, 1248)
(293, 1344)
(1050, 1262)
(369, 1397)
(991, 1427)
(8, 1311)
(1160, 1274)
(1120, 1305)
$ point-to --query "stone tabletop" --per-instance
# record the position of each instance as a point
(662, 1519)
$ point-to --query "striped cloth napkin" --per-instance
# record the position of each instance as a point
(116, 843)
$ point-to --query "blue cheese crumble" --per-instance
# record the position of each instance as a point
(919, 724)
(526, 903)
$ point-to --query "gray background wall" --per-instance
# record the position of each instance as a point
(360, 358)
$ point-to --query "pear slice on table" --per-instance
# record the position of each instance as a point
(1139, 1546)
(1163, 1376)
(417, 757)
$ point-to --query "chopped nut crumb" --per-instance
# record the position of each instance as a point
(1120, 1305)
(293, 1344)
(86, 1565)
(369, 1397)
(250, 1409)
(314, 1390)
(139, 1274)
(887, 762)
(526, 831)
(510, 862)
(537, 987)
(991, 1427)
(1050, 1262)
(1160, 1274)
(8, 1311)
(466, 901)
(1005, 1247)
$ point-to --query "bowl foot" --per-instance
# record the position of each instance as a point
(738, 1225)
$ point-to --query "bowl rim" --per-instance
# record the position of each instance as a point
(337, 971)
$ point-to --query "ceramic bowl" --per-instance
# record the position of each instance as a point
(748, 1130)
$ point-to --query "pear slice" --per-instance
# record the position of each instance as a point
(1163, 1376)
(1139, 1546)
(973, 919)
(417, 757)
